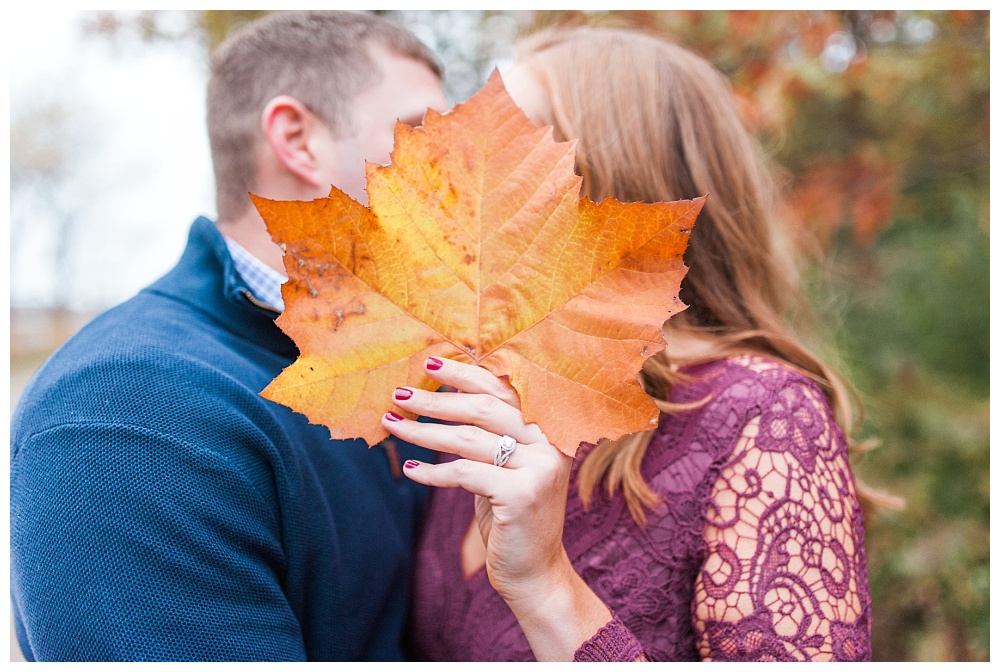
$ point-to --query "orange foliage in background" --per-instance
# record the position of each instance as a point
(863, 67)
(860, 189)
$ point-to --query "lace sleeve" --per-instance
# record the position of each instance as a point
(612, 643)
(785, 577)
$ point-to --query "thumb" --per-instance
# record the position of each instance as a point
(484, 518)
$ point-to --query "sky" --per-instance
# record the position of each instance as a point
(138, 171)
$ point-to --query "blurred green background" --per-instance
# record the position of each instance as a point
(879, 121)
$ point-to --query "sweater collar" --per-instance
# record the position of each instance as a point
(207, 279)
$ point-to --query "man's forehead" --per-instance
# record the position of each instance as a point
(384, 56)
(405, 80)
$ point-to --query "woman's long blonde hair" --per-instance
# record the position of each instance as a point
(656, 122)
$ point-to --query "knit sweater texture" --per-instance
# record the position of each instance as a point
(162, 510)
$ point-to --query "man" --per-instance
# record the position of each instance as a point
(160, 508)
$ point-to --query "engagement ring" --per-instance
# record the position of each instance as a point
(504, 450)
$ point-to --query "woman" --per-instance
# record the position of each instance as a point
(730, 532)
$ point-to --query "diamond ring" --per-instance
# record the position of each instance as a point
(504, 450)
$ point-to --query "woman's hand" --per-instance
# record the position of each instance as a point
(520, 507)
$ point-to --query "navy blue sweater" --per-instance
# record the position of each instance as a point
(162, 510)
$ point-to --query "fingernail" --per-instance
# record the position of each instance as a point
(402, 393)
(433, 363)
(394, 417)
(410, 464)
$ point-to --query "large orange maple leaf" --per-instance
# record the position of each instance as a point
(476, 246)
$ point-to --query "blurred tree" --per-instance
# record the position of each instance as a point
(469, 43)
(47, 143)
(206, 27)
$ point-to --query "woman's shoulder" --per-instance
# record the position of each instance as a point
(719, 399)
(750, 379)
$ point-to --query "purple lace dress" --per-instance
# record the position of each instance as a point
(757, 552)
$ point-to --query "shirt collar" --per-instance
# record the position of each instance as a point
(263, 281)
(205, 279)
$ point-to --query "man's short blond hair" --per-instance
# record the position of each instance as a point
(320, 58)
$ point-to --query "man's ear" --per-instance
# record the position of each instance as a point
(289, 129)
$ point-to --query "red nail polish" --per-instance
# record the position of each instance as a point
(394, 417)
(402, 393)
(409, 464)
(433, 363)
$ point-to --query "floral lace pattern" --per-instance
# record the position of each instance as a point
(781, 579)
(757, 552)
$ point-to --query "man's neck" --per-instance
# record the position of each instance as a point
(251, 233)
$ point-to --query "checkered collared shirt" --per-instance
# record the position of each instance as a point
(262, 280)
